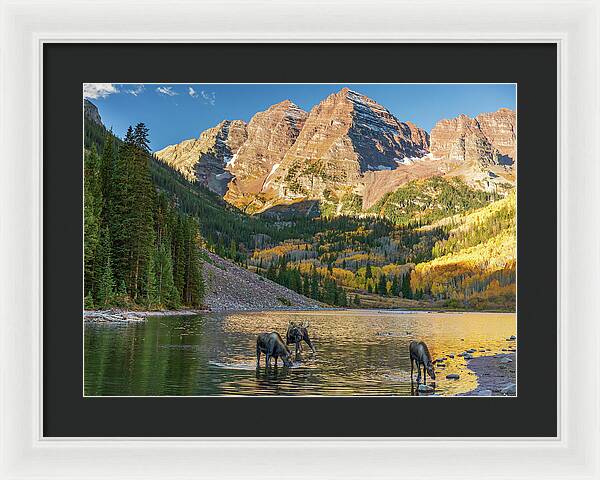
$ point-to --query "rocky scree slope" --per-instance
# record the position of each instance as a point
(230, 287)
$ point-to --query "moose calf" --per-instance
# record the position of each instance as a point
(296, 333)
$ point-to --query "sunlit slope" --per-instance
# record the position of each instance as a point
(477, 262)
(421, 202)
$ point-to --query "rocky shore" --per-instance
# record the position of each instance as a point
(496, 375)
(118, 315)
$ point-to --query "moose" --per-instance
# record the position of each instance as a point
(296, 332)
(271, 344)
(419, 353)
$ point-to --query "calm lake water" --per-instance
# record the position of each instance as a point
(357, 353)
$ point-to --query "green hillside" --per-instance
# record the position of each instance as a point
(421, 202)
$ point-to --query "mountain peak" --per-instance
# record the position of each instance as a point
(204, 159)
(270, 135)
(348, 144)
(287, 103)
(90, 111)
(482, 149)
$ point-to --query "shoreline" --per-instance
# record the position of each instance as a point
(121, 315)
(124, 315)
(496, 375)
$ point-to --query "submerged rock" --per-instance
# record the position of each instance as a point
(425, 388)
(510, 389)
(505, 360)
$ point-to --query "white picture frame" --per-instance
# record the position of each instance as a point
(573, 25)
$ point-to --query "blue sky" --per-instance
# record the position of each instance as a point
(175, 112)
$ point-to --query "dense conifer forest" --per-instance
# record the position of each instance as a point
(139, 250)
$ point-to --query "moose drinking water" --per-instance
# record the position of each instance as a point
(419, 353)
(271, 344)
(297, 332)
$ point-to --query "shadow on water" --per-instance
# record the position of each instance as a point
(358, 353)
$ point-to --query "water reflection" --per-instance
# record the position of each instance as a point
(357, 353)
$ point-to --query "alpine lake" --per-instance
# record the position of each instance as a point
(358, 352)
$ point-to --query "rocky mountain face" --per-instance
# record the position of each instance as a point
(90, 112)
(500, 128)
(482, 150)
(347, 146)
(344, 136)
(270, 134)
(204, 160)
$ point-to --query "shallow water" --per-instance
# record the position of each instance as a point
(358, 352)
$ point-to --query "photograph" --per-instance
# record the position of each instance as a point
(311, 239)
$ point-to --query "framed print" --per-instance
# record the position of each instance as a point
(334, 209)
(375, 250)
(387, 250)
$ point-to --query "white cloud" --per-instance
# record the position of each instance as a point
(209, 97)
(135, 91)
(167, 91)
(99, 90)
(192, 93)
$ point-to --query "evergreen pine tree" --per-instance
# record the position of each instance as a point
(368, 273)
(92, 212)
(178, 255)
(382, 285)
(103, 274)
(406, 290)
(120, 207)
(107, 167)
(314, 284)
(150, 292)
(195, 282)
(395, 290)
(166, 293)
(88, 302)
(342, 298)
(306, 285)
(141, 218)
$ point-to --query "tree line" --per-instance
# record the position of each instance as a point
(313, 284)
(139, 250)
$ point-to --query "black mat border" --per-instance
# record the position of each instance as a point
(532, 66)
